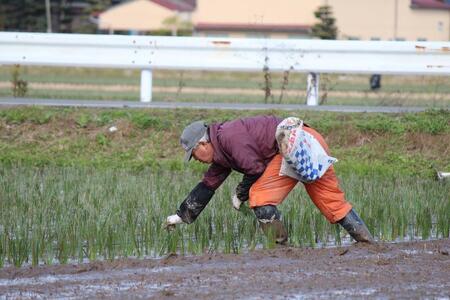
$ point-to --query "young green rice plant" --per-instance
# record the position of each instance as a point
(62, 214)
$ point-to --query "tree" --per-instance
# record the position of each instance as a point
(326, 28)
(66, 15)
(23, 15)
(175, 24)
(90, 14)
(98, 5)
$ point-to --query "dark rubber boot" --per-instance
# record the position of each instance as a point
(356, 227)
(276, 229)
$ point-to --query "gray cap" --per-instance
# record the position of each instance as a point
(190, 137)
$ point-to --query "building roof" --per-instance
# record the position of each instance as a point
(177, 5)
(138, 15)
(430, 4)
(252, 27)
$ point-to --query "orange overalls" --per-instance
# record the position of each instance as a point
(272, 189)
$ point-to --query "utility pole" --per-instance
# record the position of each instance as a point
(395, 20)
(49, 16)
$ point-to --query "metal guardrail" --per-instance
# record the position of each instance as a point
(149, 53)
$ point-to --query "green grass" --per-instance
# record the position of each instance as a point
(388, 143)
(57, 214)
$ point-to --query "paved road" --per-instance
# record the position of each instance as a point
(231, 106)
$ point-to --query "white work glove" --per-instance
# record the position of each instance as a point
(236, 202)
(171, 221)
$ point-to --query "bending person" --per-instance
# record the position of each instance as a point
(249, 146)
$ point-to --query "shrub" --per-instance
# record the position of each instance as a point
(144, 121)
(382, 124)
(27, 114)
(102, 139)
(433, 121)
(83, 120)
(19, 86)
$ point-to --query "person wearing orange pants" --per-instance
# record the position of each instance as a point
(272, 189)
(249, 146)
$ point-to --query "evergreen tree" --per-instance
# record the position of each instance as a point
(96, 6)
(62, 15)
(23, 15)
(326, 28)
(67, 15)
(176, 24)
(91, 11)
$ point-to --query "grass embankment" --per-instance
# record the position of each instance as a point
(364, 143)
(71, 189)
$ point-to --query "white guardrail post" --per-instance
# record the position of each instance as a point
(149, 53)
(312, 90)
(146, 85)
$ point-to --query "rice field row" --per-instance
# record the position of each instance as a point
(59, 214)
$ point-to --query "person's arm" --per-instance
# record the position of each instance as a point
(194, 203)
(200, 196)
(243, 188)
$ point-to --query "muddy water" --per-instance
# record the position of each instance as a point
(405, 270)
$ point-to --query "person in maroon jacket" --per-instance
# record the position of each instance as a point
(249, 146)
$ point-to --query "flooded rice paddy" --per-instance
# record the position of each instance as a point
(388, 270)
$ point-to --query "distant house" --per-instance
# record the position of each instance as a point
(234, 18)
(143, 15)
(355, 19)
(392, 19)
(255, 18)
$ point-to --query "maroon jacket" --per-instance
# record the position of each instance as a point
(245, 145)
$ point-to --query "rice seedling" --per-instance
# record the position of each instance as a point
(62, 214)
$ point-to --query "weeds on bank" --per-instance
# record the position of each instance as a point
(19, 86)
(433, 122)
(67, 136)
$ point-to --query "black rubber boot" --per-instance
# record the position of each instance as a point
(276, 229)
(269, 219)
(356, 227)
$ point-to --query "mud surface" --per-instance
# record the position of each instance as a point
(405, 270)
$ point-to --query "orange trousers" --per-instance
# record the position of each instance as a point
(272, 189)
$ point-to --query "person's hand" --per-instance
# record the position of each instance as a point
(236, 202)
(172, 221)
